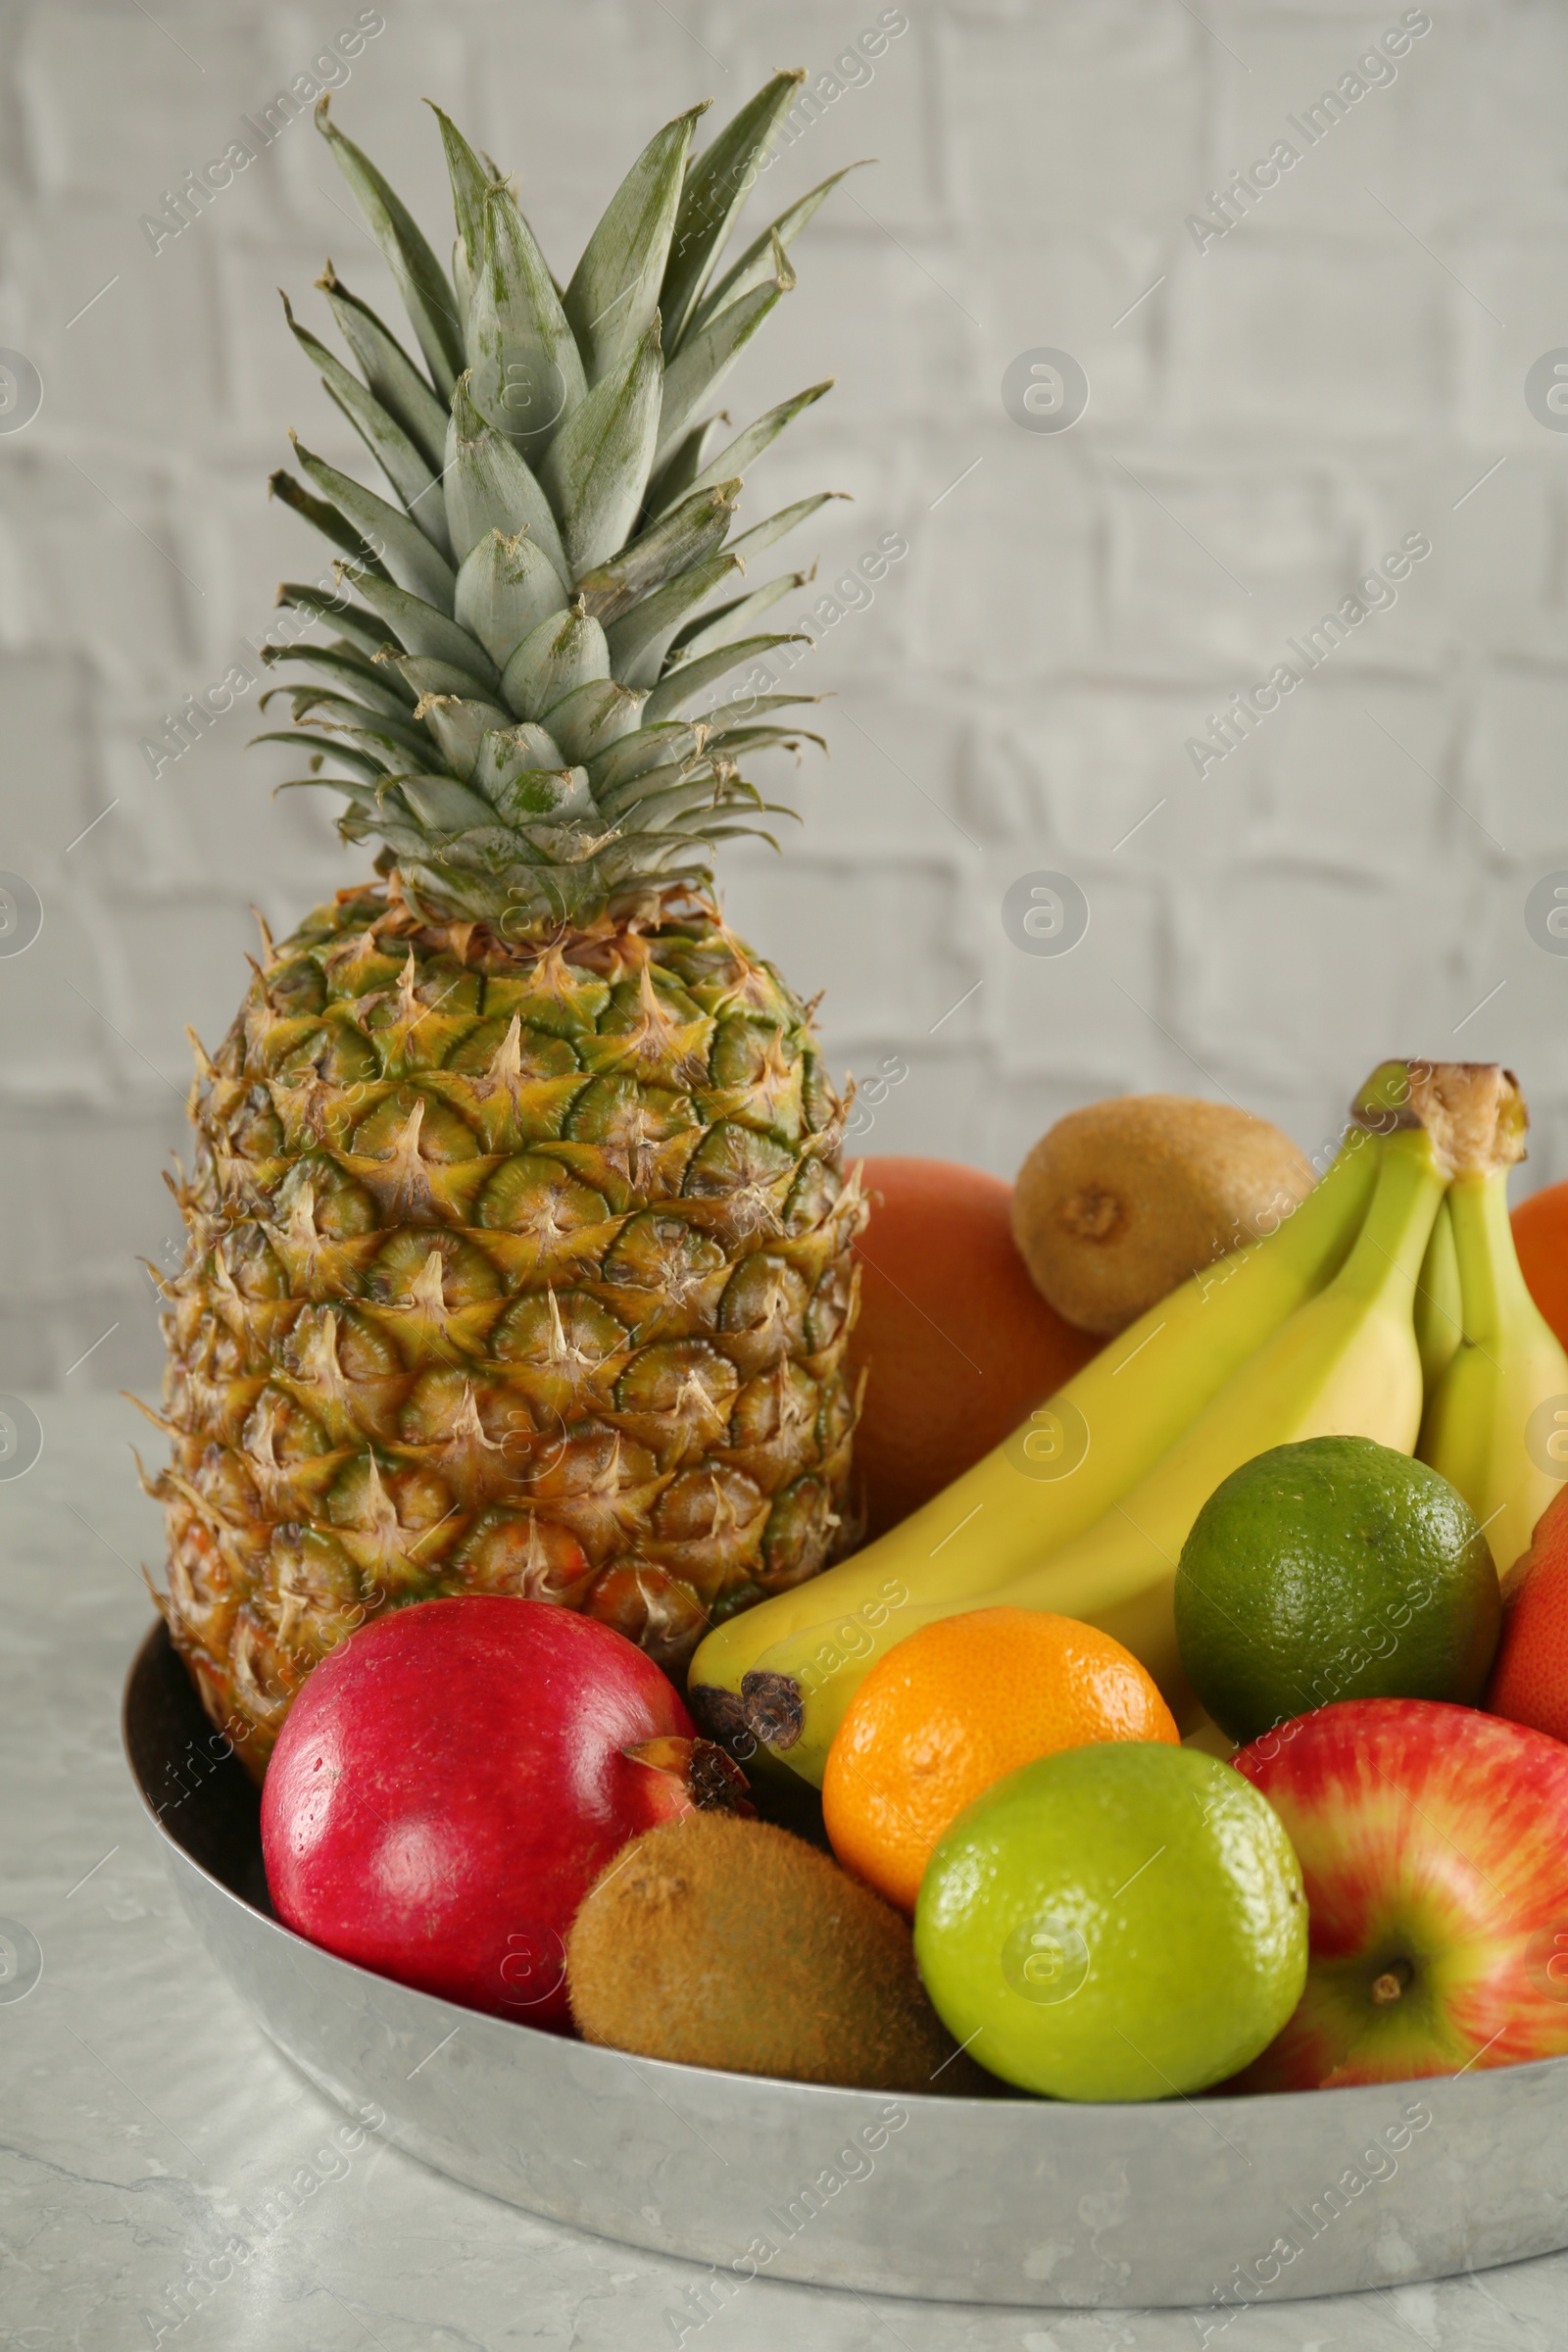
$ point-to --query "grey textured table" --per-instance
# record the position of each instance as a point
(145, 2124)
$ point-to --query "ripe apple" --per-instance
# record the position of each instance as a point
(1433, 1848)
(1530, 1673)
(451, 1780)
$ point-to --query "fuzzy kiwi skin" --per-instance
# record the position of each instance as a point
(1125, 1199)
(713, 1940)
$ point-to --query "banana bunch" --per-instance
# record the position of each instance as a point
(1497, 1415)
(1390, 1306)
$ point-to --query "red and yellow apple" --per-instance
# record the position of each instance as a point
(1434, 1848)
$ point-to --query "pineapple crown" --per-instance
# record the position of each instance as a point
(521, 639)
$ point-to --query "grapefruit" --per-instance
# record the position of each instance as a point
(957, 1344)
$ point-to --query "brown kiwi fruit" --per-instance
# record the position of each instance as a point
(713, 1940)
(1127, 1198)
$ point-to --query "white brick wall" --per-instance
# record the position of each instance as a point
(1278, 412)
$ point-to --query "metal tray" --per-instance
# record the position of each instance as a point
(1209, 2201)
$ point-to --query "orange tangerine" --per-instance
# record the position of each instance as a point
(957, 1706)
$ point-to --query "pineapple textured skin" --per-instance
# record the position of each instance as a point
(510, 1271)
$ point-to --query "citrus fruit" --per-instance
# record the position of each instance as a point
(958, 1705)
(1116, 1922)
(958, 1343)
(1336, 1568)
(1530, 1673)
(1540, 1238)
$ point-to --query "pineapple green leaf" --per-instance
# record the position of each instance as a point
(718, 184)
(527, 794)
(562, 653)
(693, 530)
(742, 452)
(388, 369)
(736, 742)
(445, 804)
(505, 588)
(387, 750)
(459, 727)
(343, 667)
(365, 629)
(674, 478)
(356, 789)
(490, 486)
(756, 264)
(509, 752)
(402, 547)
(758, 705)
(669, 853)
(678, 802)
(650, 747)
(639, 642)
(591, 716)
(490, 705)
(673, 692)
(637, 789)
(373, 808)
(332, 525)
(396, 733)
(708, 356)
(596, 468)
(471, 182)
(710, 834)
(423, 676)
(763, 535)
(422, 281)
(489, 858)
(403, 465)
(439, 887)
(615, 289)
(421, 627)
(401, 833)
(490, 849)
(568, 843)
(372, 770)
(736, 620)
(528, 371)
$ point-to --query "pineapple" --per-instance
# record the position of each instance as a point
(518, 1253)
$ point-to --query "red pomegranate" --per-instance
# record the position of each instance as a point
(451, 1780)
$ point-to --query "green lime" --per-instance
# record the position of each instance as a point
(1332, 1569)
(1114, 1922)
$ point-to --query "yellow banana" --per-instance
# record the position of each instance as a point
(1345, 1363)
(1439, 1307)
(1497, 1420)
(1063, 1468)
